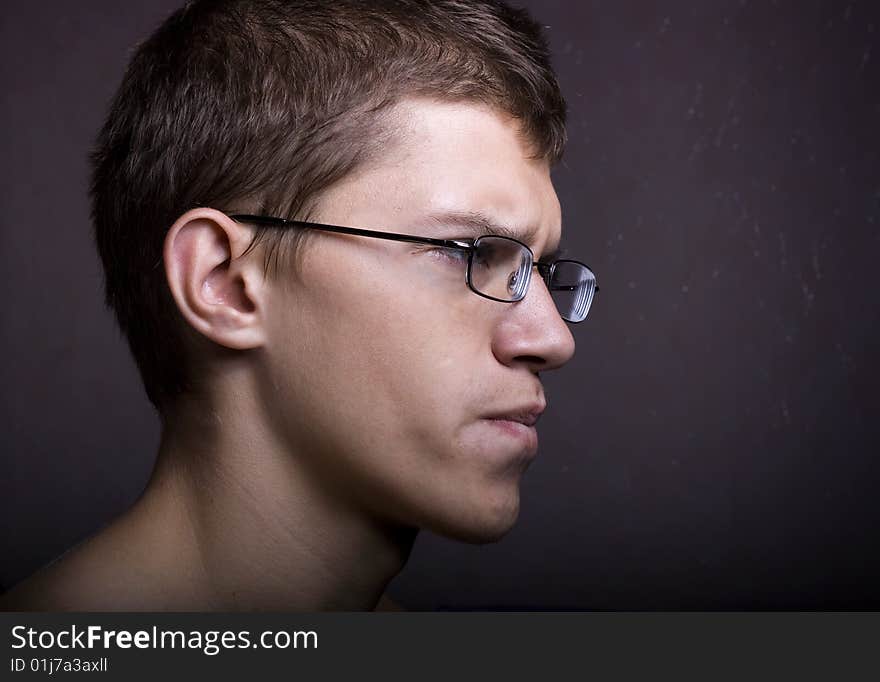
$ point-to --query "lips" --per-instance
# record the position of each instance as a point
(516, 425)
(528, 415)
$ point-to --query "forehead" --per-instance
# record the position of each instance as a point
(446, 159)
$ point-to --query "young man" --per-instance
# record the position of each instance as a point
(325, 388)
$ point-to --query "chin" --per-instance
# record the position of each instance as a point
(477, 524)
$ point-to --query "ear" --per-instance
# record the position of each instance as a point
(219, 293)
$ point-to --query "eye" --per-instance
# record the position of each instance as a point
(453, 256)
(486, 254)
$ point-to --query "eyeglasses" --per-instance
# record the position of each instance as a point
(498, 268)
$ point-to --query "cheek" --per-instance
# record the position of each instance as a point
(399, 351)
(409, 327)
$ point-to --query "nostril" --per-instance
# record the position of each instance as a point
(531, 359)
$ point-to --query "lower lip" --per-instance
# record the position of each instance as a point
(527, 434)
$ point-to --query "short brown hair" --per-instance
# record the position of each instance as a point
(270, 102)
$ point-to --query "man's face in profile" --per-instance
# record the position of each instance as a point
(383, 366)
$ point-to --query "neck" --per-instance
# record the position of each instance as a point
(255, 528)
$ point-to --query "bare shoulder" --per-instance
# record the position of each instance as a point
(103, 573)
(54, 587)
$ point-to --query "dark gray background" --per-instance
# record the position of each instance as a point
(712, 445)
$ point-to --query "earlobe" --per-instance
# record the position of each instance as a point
(215, 287)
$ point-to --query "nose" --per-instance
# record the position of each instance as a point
(531, 332)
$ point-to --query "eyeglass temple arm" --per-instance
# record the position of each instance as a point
(270, 221)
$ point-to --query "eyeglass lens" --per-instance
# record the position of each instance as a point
(500, 269)
(572, 286)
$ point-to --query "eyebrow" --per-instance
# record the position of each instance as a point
(477, 224)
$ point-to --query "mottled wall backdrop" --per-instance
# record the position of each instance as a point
(715, 442)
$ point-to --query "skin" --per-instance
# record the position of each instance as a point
(343, 405)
